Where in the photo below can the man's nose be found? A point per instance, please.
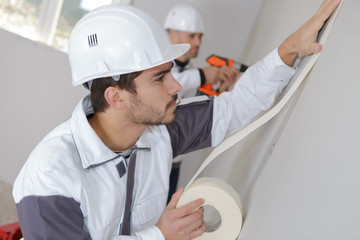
(197, 41)
(173, 86)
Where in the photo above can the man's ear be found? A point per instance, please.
(115, 97)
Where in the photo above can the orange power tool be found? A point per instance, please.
(218, 61)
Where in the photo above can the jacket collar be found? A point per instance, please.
(92, 151)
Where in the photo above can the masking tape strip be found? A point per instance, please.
(218, 193)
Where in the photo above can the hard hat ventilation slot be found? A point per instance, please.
(92, 39)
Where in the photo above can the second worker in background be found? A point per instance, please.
(185, 24)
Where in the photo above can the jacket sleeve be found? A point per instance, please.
(253, 93)
(50, 217)
(46, 216)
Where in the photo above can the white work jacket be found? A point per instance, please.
(73, 186)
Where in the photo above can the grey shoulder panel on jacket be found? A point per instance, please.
(191, 129)
(198, 100)
(51, 217)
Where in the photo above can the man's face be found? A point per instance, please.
(155, 101)
(194, 39)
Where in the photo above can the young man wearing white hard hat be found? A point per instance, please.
(103, 173)
(185, 24)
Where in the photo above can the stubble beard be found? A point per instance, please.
(148, 115)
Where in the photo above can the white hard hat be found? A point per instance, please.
(185, 17)
(118, 39)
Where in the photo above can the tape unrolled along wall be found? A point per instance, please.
(224, 199)
(218, 193)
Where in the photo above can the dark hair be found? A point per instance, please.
(99, 85)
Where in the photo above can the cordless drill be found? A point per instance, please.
(218, 61)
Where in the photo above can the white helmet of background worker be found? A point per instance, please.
(186, 18)
(117, 39)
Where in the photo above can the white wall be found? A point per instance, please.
(277, 20)
(36, 95)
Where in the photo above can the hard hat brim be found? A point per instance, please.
(177, 51)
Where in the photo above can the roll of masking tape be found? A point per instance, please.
(224, 199)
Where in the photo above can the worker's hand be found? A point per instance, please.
(303, 41)
(211, 74)
(227, 77)
(182, 223)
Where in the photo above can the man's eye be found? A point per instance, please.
(160, 78)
